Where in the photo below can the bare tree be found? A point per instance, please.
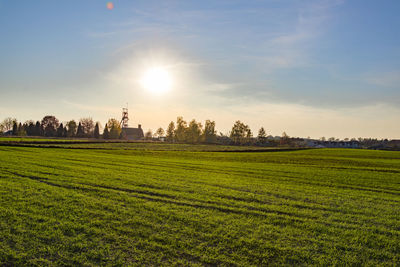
(148, 135)
(88, 126)
(262, 135)
(50, 124)
(285, 139)
(210, 134)
(180, 131)
(160, 132)
(171, 132)
(240, 133)
(72, 127)
(7, 124)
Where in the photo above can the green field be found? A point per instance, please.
(149, 206)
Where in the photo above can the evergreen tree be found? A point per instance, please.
(106, 134)
(15, 128)
(31, 129)
(60, 130)
(20, 130)
(96, 132)
(65, 132)
(38, 129)
(80, 132)
(25, 128)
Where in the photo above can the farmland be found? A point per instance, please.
(152, 204)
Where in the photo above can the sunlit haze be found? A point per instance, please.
(309, 68)
(157, 80)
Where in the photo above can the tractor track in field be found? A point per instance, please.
(218, 206)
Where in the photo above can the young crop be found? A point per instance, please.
(144, 204)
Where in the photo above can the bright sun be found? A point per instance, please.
(157, 80)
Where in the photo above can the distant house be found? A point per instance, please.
(331, 144)
(133, 133)
(339, 144)
(8, 133)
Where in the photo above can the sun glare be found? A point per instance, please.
(156, 80)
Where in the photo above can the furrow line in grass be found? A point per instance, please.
(288, 204)
(193, 200)
(221, 209)
(34, 177)
(201, 167)
(349, 225)
(263, 176)
(150, 196)
(240, 205)
(263, 202)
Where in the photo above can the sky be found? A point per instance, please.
(310, 68)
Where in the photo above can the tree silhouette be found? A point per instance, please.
(240, 133)
(114, 132)
(160, 132)
(50, 124)
(15, 129)
(262, 135)
(148, 135)
(80, 132)
(193, 132)
(114, 128)
(106, 134)
(96, 133)
(31, 129)
(285, 139)
(180, 131)
(60, 130)
(38, 129)
(87, 126)
(72, 127)
(170, 132)
(210, 134)
(20, 130)
(7, 124)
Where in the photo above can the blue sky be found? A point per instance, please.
(310, 68)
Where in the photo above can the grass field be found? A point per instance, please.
(158, 207)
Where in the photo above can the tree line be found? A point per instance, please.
(194, 132)
(50, 126)
(181, 131)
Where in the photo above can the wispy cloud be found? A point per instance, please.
(293, 48)
(386, 79)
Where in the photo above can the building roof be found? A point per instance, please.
(136, 133)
